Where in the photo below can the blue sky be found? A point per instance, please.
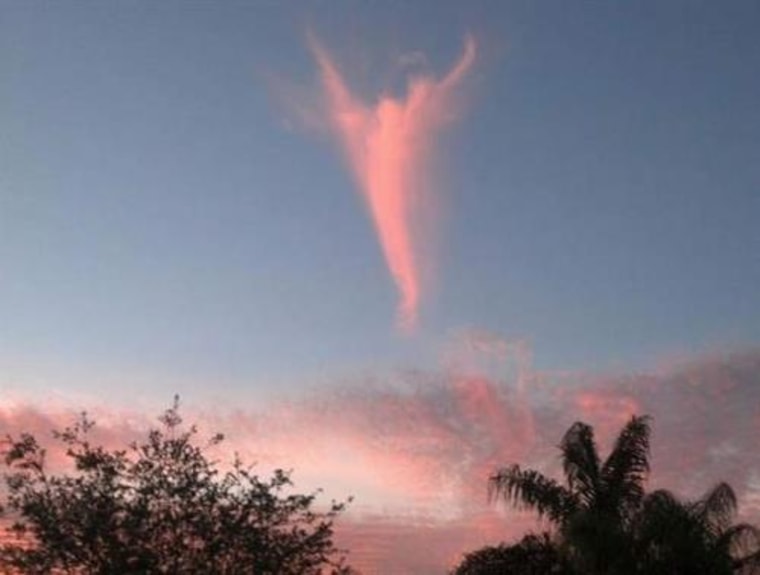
(176, 216)
(164, 216)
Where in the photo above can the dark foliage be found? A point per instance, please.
(595, 507)
(532, 555)
(608, 525)
(159, 506)
(674, 537)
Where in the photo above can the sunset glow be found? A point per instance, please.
(395, 248)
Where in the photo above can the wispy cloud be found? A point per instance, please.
(388, 145)
(416, 452)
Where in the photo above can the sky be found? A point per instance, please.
(422, 237)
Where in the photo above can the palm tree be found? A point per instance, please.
(594, 510)
(676, 537)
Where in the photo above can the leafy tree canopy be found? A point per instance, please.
(158, 506)
(532, 555)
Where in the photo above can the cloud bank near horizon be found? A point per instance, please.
(416, 451)
(388, 145)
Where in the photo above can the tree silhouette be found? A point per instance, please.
(676, 537)
(159, 506)
(595, 508)
(607, 524)
(532, 555)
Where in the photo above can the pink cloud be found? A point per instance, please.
(379, 545)
(388, 145)
(420, 451)
(417, 453)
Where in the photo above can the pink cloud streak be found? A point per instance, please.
(387, 146)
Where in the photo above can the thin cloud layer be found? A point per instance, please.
(416, 452)
(388, 145)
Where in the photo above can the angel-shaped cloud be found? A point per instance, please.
(388, 145)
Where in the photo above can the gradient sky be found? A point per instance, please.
(182, 212)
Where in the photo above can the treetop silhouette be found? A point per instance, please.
(159, 506)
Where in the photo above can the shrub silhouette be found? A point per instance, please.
(532, 555)
(159, 506)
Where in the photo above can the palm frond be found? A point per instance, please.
(661, 514)
(627, 466)
(533, 490)
(580, 461)
(742, 542)
(717, 507)
(660, 502)
(749, 564)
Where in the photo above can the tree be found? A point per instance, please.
(606, 524)
(594, 510)
(160, 506)
(675, 537)
(532, 555)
